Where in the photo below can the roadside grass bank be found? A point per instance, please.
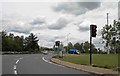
(109, 61)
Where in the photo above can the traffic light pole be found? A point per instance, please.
(92, 34)
(90, 50)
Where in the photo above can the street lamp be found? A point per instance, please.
(67, 41)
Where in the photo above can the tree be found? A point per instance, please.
(70, 46)
(82, 48)
(77, 46)
(31, 43)
(4, 41)
(19, 44)
(106, 35)
(86, 46)
(116, 36)
(111, 36)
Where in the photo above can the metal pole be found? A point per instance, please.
(107, 31)
(67, 41)
(67, 44)
(90, 44)
(107, 18)
(90, 50)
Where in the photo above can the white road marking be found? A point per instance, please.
(45, 60)
(21, 58)
(15, 72)
(64, 66)
(15, 66)
(50, 62)
(17, 61)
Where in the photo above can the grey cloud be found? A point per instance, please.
(56, 26)
(59, 24)
(60, 37)
(52, 38)
(84, 26)
(20, 28)
(19, 31)
(76, 8)
(89, 5)
(48, 38)
(38, 21)
(83, 29)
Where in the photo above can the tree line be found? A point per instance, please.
(83, 47)
(19, 44)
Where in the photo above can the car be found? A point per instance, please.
(73, 51)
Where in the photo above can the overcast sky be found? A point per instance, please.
(52, 21)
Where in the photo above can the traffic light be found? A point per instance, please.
(57, 43)
(93, 30)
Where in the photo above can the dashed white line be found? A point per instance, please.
(15, 66)
(50, 62)
(21, 58)
(17, 61)
(15, 72)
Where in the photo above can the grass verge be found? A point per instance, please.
(98, 60)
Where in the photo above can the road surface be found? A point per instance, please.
(34, 64)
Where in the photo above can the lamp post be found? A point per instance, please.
(67, 41)
(107, 36)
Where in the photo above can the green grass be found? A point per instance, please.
(98, 60)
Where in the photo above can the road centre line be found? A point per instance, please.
(15, 72)
(17, 61)
(21, 58)
(15, 66)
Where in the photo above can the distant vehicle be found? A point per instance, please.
(45, 52)
(73, 51)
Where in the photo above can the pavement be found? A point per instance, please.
(90, 69)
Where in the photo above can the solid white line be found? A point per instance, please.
(64, 66)
(45, 59)
(50, 62)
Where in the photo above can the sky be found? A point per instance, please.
(57, 20)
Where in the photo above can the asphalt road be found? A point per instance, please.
(34, 64)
